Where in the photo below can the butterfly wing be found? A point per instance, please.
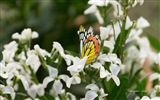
(89, 44)
(82, 37)
(89, 50)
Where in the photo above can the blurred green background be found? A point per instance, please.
(58, 20)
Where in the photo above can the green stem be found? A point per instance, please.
(114, 31)
(33, 75)
(43, 62)
(122, 34)
(104, 85)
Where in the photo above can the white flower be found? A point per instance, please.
(9, 51)
(53, 72)
(93, 9)
(78, 65)
(147, 98)
(53, 76)
(144, 48)
(3, 98)
(114, 30)
(94, 92)
(134, 33)
(57, 87)
(3, 71)
(9, 71)
(157, 59)
(75, 79)
(128, 23)
(33, 61)
(104, 32)
(136, 2)
(109, 58)
(8, 90)
(36, 89)
(96, 65)
(109, 45)
(154, 76)
(114, 71)
(142, 23)
(99, 2)
(40, 51)
(24, 82)
(70, 95)
(110, 31)
(154, 92)
(60, 49)
(25, 35)
(117, 8)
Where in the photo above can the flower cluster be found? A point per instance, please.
(119, 66)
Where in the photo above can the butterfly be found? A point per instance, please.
(89, 44)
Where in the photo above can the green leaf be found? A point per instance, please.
(71, 53)
(49, 97)
(141, 85)
(135, 75)
(46, 96)
(154, 42)
(120, 92)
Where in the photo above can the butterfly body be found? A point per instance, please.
(89, 44)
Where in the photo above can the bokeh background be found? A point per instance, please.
(59, 20)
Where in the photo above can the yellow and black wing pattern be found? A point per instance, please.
(89, 44)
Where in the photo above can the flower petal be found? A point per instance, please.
(96, 65)
(64, 77)
(53, 72)
(92, 87)
(34, 35)
(58, 46)
(40, 90)
(24, 82)
(34, 62)
(103, 72)
(142, 23)
(99, 17)
(128, 23)
(109, 45)
(91, 95)
(114, 69)
(91, 9)
(9, 90)
(46, 81)
(116, 80)
(57, 86)
(103, 33)
(154, 76)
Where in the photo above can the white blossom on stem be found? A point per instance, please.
(26, 34)
(9, 51)
(94, 92)
(33, 61)
(34, 89)
(93, 9)
(60, 49)
(8, 90)
(41, 52)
